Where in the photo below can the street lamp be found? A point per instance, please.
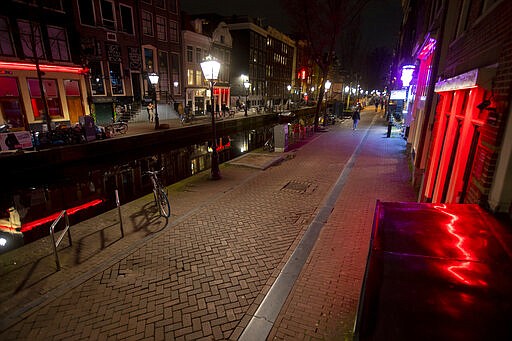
(327, 86)
(153, 79)
(289, 88)
(210, 68)
(247, 85)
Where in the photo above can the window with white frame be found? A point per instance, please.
(190, 54)
(190, 77)
(147, 23)
(199, 55)
(97, 78)
(163, 71)
(31, 41)
(161, 28)
(86, 12)
(173, 6)
(173, 31)
(116, 78)
(175, 71)
(6, 48)
(126, 18)
(199, 77)
(107, 14)
(58, 43)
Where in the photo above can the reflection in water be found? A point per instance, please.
(87, 190)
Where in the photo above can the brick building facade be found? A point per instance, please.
(461, 128)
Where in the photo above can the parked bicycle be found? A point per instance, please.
(116, 128)
(269, 145)
(160, 194)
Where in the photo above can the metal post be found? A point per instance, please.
(157, 120)
(215, 172)
(118, 203)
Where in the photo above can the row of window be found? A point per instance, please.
(32, 41)
(10, 97)
(165, 30)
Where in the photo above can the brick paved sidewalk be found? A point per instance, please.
(323, 302)
(203, 274)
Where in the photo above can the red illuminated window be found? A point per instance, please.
(52, 98)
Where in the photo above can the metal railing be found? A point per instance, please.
(52, 233)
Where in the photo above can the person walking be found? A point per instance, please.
(376, 104)
(356, 116)
(151, 112)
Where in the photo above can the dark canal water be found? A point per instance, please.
(32, 201)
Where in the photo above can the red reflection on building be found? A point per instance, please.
(456, 137)
(461, 271)
(33, 224)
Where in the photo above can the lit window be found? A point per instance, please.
(190, 77)
(199, 77)
(52, 98)
(116, 79)
(97, 82)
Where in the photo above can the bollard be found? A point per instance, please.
(119, 211)
(390, 125)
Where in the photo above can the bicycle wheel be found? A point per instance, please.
(163, 203)
(123, 128)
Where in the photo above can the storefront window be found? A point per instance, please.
(116, 79)
(52, 98)
(10, 104)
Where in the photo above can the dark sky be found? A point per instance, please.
(381, 18)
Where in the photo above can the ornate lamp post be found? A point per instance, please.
(247, 85)
(327, 86)
(210, 68)
(289, 88)
(153, 79)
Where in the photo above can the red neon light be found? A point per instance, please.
(427, 49)
(43, 67)
(33, 224)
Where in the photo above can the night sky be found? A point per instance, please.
(381, 18)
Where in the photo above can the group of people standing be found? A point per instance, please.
(378, 101)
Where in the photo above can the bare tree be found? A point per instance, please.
(31, 41)
(321, 22)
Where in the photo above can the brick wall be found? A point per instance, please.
(488, 41)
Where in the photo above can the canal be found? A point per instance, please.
(83, 179)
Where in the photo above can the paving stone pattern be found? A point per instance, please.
(203, 276)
